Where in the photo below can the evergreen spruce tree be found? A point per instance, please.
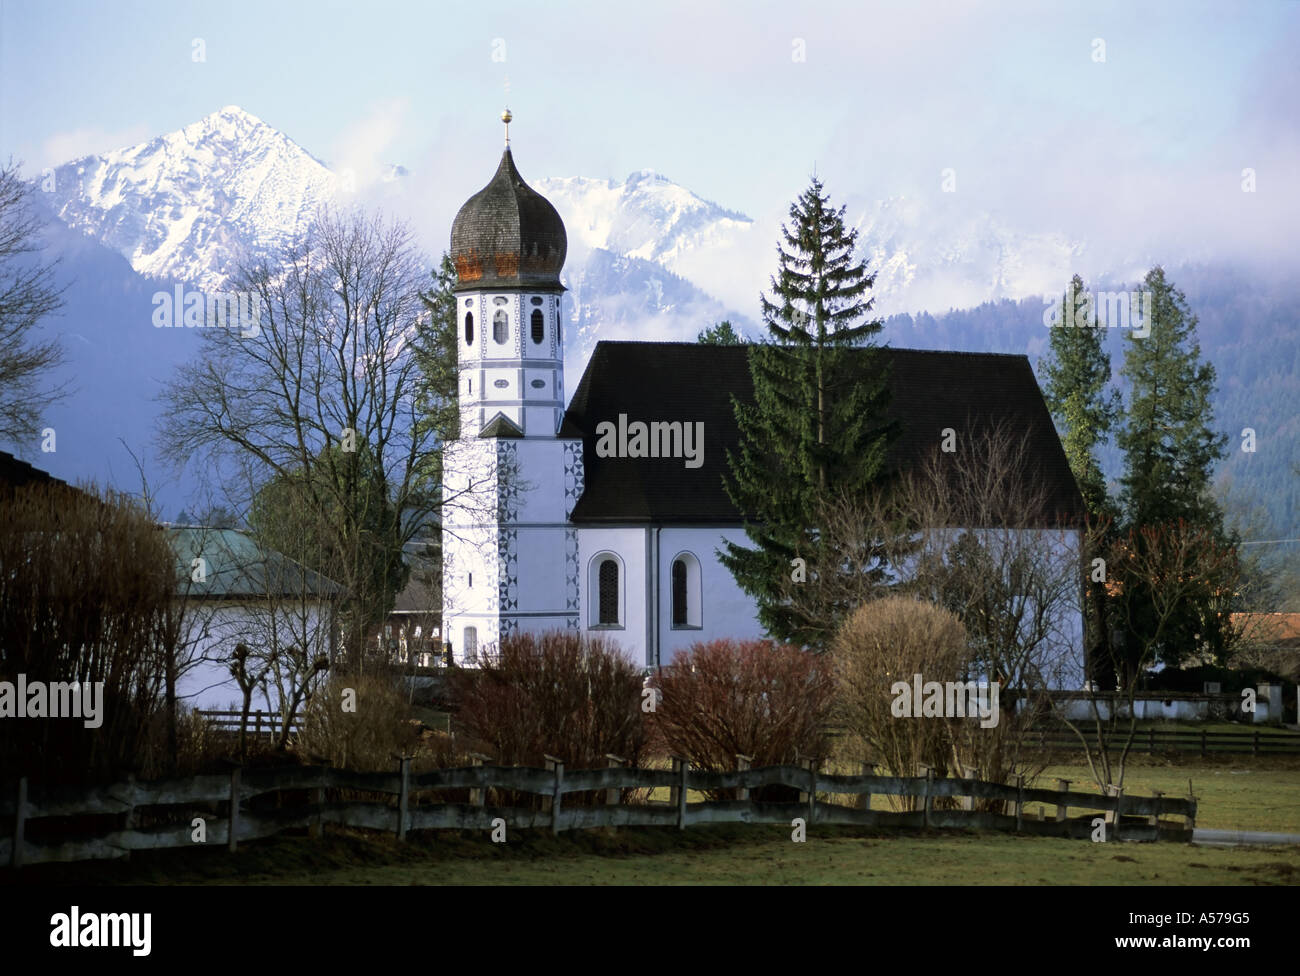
(722, 334)
(1078, 392)
(1170, 450)
(816, 428)
(1085, 407)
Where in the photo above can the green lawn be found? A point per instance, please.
(706, 855)
(1233, 793)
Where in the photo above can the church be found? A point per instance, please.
(606, 516)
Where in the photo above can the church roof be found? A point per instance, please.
(507, 235)
(667, 381)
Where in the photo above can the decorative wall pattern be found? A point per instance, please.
(574, 474)
(572, 580)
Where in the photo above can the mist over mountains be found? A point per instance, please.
(648, 259)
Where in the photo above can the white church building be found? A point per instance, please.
(605, 516)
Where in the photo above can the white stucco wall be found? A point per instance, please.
(214, 628)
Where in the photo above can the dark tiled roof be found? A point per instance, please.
(667, 381)
(501, 426)
(507, 235)
(15, 473)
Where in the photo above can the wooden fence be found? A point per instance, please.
(225, 802)
(1154, 741)
(259, 722)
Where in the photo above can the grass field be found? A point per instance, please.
(706, 855)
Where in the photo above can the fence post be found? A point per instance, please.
(1020, 801)
(1062, 807)
(232, 842)
(864, 798)
(1202, 743)
(1151, 742)
(1154, 819)
(403, 795)
(477, 793)
(1191, 798)
(20, 818)
(682, 770)
(742, 764)
(613, 795)
(929, 800)
(968, 800)
(316, 797)
(548, 802)
(1255, 747)
(558, 805)
(812, 790)
(1114, 815)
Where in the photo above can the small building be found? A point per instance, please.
(236, 592)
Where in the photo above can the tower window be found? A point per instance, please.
(469, 328)
(539, 328)
(608, 592)
(558, 340)
(471, 644)
(500, 327)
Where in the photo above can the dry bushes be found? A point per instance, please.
(558, 693)
(756, 698)
(86, 587)
(365, 739)
(883, 642)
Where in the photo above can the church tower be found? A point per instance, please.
(511, 477)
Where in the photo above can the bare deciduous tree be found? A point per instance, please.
(28, 294)
(325, 394)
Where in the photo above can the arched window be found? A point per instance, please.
(471, 644)
(679, 592)
(608, 592)
(539, 327)
(469, 328)
(684, 580)
(500, 327)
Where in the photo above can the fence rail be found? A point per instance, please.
(225, 803)
(258, 721)
(1154, 741)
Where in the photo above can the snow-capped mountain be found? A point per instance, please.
(187, 205)
(647, 216)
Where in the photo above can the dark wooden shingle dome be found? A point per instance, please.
(507, 235)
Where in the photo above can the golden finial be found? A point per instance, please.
(506, 117)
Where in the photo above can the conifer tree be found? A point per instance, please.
(1085, 406)
(1170, 450)
(1078, 392)
(816, 429)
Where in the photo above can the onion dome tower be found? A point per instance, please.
(508, 246)
(509, 557)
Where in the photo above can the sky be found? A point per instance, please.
(1129, 125)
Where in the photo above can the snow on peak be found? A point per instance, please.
(646, 216)
(190, 204)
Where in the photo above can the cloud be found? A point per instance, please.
(362, 150)
(65, 146)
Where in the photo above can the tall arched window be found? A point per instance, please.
(684, 580)
(471, 644)
(679, 593)
(539, 327)
(469, 328)
(500, 327)
(608, 592)
(558, 340)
